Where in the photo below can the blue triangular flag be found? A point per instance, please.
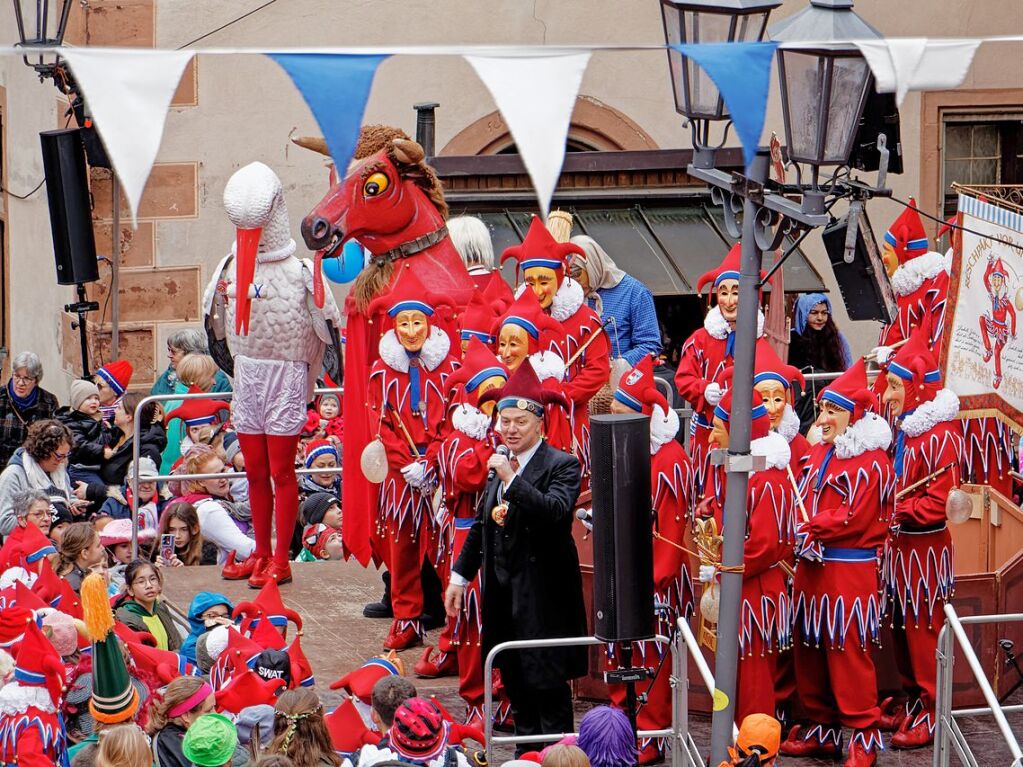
(742, 73)
(335, 86)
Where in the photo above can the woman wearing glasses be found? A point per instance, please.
(22, 402)
(40, 464)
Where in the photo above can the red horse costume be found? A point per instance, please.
(848, 491)
(918, 572)
(407, 399)
(278, 337)
(671, 486)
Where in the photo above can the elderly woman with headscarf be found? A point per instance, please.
(22, 402)
(179, 344)
(816, 346)
(610, 292)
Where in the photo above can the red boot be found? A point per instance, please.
(403, 635)
(863, 748)
(915, 732)
(819, 741)
(442, 664)
(893, 714)
(239, 571)
(272, 571)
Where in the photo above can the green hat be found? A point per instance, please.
(114, 698)
(210, 741)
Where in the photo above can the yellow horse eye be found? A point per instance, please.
(375, 184)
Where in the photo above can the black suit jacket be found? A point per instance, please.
(541, 596)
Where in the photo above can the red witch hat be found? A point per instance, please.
(477, 321)
(301, 668)
(769, 367)
(407, 293)
(729, 269)
(539, 248)
(478, 364)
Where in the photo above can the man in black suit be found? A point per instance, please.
(522, 541)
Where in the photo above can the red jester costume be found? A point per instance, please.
(584, 347)
(407, 400)
(278, 337)
(773, 381)
(482, 312)
(848, 494)
(765, 616)
(671, 485)
(706, 354)
(919, 573)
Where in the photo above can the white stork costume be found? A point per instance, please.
(278, 338)
(918, 572)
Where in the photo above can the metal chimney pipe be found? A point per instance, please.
(426, 126)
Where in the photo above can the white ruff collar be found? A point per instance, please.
(944, 407)
(871, 432)
(718, 327)
(470, 420)
(547, 364)
(16, 698)
(774, 448)
(434, 351)
(663, 428)
(789, 426)
(911, 275)
(566, 301)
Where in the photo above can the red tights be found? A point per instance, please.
(273, 488)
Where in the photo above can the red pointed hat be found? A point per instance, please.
(915, 364)
(38, 664)
(359, 683)
(761, 421)
(117, 375)
(638, 390)
(728, 269)
(497, 291)
(14, 619)
(769, 367)
(267, 636)
(850, 391)
(527, 313)
(348, 732)
(240, 651)
(906, 235)
(165, 665)
(458, 732)
(525, 392)
(407, 293)
(196, 412)
(25, 597)
(478, 364)
(477, 321)
(34, 547)
(268, 604)
(539, 248)
(248, 689)
(70, 602)
(128, 635)
(301, 668)
(47, 585)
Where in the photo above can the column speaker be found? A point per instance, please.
(864, 284)
(623, 559)
(67, 189)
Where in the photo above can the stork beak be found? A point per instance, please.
(247, 244)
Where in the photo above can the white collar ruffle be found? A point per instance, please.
(435, 350)
(789, 426)
(775, 448)
(911, 275)
(547, 364)
(718, 327)
(566, 301)
(663, 428)
(944, 407)
(16, 698)
(470, 420)
(871, 432)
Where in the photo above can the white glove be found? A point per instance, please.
(713, 393)
(882, 354)
(415, 474)
(707, 573)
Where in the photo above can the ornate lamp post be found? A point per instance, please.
(824, 87)
(41, 24)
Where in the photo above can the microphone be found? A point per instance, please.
(584, 515)
(501, 450)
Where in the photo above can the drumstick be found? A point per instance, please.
(923, 481)
(795, 488)
(404, 430)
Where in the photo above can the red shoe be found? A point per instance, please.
(475, 718)
(403, 635)
(239, 571)
(273, 570)
(863, 748)
(915, 732)
(893, 714)
(443, 664)
(818, 741)
(650, 754)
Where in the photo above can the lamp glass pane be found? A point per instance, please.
(703, 27)
(803, 83)
(750, 28)
(673, 36)
(849, 78)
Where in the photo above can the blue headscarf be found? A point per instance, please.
(804, 304)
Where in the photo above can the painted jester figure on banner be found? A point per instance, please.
(919, 573)
(848, 495)
(407, 401)
(998, 323)
(671, 485)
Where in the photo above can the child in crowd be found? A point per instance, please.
(190, 548)
(116, 539)
(112, 381)
(321, 538)
(207, 611)
(91, 433)
(321, 454)
(80, 551)
(140, 607)
(203, 420)
(329, 408)
(61, 520)
(118, 504)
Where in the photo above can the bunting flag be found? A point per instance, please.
(742, 73)
(335, 87)
(128, 96)
(917, 64)
(536, 96)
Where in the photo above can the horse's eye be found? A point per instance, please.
(375, 184)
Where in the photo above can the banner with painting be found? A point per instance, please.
(983, 350)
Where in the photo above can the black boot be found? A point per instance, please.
(381, 609)
(433, 616)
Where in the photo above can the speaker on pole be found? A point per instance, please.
(623, 558)
(864, 284)
(67, 190)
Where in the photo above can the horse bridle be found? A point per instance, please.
(411, 247)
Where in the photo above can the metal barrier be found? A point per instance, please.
(947, 733)
(135, 454)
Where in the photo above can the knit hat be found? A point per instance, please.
(247, 689)
(638, 390)
(761, 421)
(147, 469)
(117, 374)
(525, 392)
(314, 508)
(81, 390)
(849, 391)
(540, 249)
(114, 699)
(906, 235)
(348, 731)
(759, 734)
(408, 293)
(249, 717)
(419, 732)
(268, 604)
(274, 664)
(316, 537)
(38, 664)
(728, 269)
(359, 683)
(318, 447)
(62, 631)
(196, 412)
(210, 741)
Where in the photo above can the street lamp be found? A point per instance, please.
(41, 24)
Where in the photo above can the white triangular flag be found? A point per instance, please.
(128, 93)
(536, 96)
(908, 64)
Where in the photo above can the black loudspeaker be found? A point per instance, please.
(67, 189)
(880, 115)
(864, 284)
(623, 545)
